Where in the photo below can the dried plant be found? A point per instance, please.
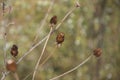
(14, 50)
(11, 65)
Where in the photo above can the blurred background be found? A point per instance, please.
(95, 24)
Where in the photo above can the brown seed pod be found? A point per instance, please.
(53, 20)
(60, 38)
(97, 52)
(14, 50)
(11, 65)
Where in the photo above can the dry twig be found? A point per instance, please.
(36, 67)
(71, 70)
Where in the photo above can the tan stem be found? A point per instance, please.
(48, 57)
(36, 67)
(71, 70)
(43, 21)
(16, 76)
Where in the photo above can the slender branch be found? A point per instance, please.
(27, 76)
(16, 76)
(48, 57)
(41, 63)
(43, 21)
(5, 25)
(69, 12)
(36, 67)
(31, 49)
(4, 74)
(5, 41)
(3, 77)
(71, 70)
(5, 36)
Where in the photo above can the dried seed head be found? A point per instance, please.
(14, 50)
(97, 52)
(11, 65)
(60, 38)
(53, 20)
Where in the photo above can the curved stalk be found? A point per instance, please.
(36, 67)
(71, 70)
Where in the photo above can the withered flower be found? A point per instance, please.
(97, 52)
(53, 20)
(14, 50)
(11, 65)
(60, 38)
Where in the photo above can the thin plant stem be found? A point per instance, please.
(27, 76)
(36, 67)
(41, 63)
(71, 70)
(48, 57)
(68, 13)
(5, 36)
(4, 74)
(3, 77)
(5, 41)
(16, 76)
(43, 21)
(31, 49)
(5, 57)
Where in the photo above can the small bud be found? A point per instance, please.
(97, 52)
(14, 50)
(53, 20)
(11, 65)
(60, 38)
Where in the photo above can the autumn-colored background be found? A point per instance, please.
(95, 24)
